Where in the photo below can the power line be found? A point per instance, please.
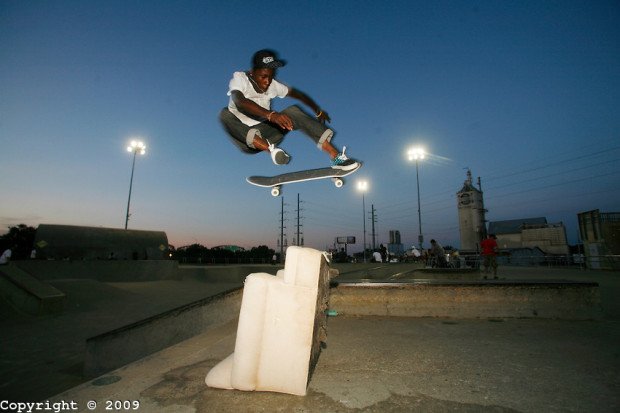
(442, 198)
(548, 165)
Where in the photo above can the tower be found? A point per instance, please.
(394, 237)
(395, 246)
(471, 215)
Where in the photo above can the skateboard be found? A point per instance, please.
(276, 182)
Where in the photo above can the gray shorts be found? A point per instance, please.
(490, 261)
(243, 135)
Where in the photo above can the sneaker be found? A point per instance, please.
(278, 156)
(343, 162)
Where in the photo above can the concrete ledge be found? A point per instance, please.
(225, 273)
(124, 345)
(449, 273)
(28, 294)
(470, 299)
(107, 271)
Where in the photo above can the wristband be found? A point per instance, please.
(318, 115)
(269, 116)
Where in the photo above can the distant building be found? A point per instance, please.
(232, 248)
(531, 233)
(68, 242)
(394, 237)
(471, 215)
(600, 234)
(550, 238)
(395, 246)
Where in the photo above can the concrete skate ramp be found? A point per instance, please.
(26, 293)
(116, 348)
(572, 300)
(107, 271)
(90, 295)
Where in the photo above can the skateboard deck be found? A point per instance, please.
(276, 182)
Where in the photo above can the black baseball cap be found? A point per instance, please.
(266, 59)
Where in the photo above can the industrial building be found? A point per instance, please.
(600, 234)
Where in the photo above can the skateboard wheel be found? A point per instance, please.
(275, 191)
(338, 182)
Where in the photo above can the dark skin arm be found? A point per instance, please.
(307, 100)
(252, 109)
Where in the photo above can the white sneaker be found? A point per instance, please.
(343, 162)
(278, 156)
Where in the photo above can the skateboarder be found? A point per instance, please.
(255, 128)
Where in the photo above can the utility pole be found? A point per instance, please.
(299, 233)
(374, 219)
(484, 211)
(282, 231)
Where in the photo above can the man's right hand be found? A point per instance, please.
(282, 120)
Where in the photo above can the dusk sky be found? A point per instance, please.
(526, 94)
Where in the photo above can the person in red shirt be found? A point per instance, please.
(489, 251)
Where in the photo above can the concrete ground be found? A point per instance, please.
(42, 356)
(371, 364)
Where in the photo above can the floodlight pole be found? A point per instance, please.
(135, 147)
(133, 165)
(417, 175)
(417, 154)
(364, 219)
(362, 186)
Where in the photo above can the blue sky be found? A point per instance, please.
(524, 93)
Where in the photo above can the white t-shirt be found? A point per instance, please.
(241, 83)
(6, 255)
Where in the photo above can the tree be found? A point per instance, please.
(20, 239)
(262, 251)
(202, 254)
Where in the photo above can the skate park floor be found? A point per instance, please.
(370, 364)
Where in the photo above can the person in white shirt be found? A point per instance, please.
(255, 128)
(6, 256)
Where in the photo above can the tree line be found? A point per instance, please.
(20, 239)
(197, 253)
